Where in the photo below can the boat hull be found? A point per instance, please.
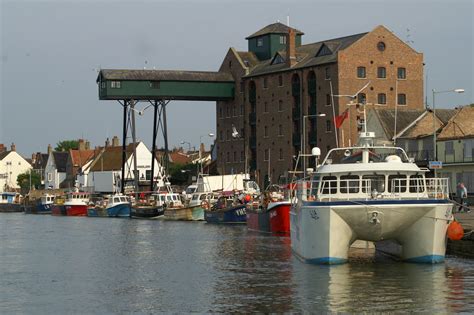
(179, 214)
(118, 211)
(76, 210)
(58, 210)
(146, 212)
(231, 215)
(274, 219)
(322, 232)
(10, 207)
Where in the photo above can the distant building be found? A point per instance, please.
(456, 149)
(55, 170)
(280, 82)
(11, 165)
(104, 172)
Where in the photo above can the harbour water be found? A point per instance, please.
(98, 265)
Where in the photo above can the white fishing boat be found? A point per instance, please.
(370, 193)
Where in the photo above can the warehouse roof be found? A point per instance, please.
(164, 75)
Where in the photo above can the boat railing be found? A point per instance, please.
(437, 188)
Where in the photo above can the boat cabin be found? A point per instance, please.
(363, 173)
(47, 199)
(10, 197)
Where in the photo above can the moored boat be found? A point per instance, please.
(370, 193)
(114, 206)
(10, 202)
(58, 208)
(45, 204)
(76, 204)
(271, 214)
(146, 207)
(229, 209)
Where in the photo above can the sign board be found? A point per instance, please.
(435, 165)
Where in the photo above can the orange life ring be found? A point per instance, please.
(205, 204)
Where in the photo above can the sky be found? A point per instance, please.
(51, 52)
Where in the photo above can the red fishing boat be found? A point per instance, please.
(271, 214)
(76, 204)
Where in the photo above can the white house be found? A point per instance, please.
(11, 165)
(105, 171)
(55, 170)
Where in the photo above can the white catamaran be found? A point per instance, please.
(371, 193)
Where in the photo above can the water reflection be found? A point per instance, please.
(69, 265)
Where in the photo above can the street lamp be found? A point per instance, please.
(304, 138)
(435, 156)
(210, 135)
(189, 145)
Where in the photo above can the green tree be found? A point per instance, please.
(23, 180)
(181, 174)
(65, 145)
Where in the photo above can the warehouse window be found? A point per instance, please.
(381, 72)
(280, 80)
(115, 84)
(361, 72)
(402, 99)
(402, 73)
(382, 98)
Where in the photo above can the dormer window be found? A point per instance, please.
(277, 59)
(259, 42)
(324, 51)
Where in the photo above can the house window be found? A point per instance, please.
(328, 126)
(327, 75)
(281, 155)
(265, 107)
(155, 84)
(381, 72)
(265, 83)
(115, 84)
(361, 98)
(402, 99)
(235, 156)
(402, 73)
(280, 105)
(148, 174)
(328, 100)
(265, 132)
(280, 80)
(382, 98)
(259, 42)
(280, 130)
(282, 39)
(361, 72)
(266, 155)
(449, 147)
(50, 177)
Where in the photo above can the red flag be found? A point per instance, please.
(340, 119)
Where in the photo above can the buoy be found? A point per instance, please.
(247, 198)
(455, 231)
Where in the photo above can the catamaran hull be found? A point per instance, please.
(322, 232)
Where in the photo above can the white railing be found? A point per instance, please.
(437, 188)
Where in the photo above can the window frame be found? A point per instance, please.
(379, 99)
(381, 72)
(404, 71)
(404, 99)
(359, 74)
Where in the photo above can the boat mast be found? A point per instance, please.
(134, 140)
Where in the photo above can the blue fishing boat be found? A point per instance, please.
(10, 202)
(45, 204)
(115, 206)
(228, 209)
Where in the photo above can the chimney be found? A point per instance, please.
(2, 147)
(115, 141)
(50, 149)
(33, 158)
(13, 147)
(202, 148)
(88, 145)
(82, 145)
(107, 143)
(291, 48)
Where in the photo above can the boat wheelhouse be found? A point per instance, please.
(370, 193)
